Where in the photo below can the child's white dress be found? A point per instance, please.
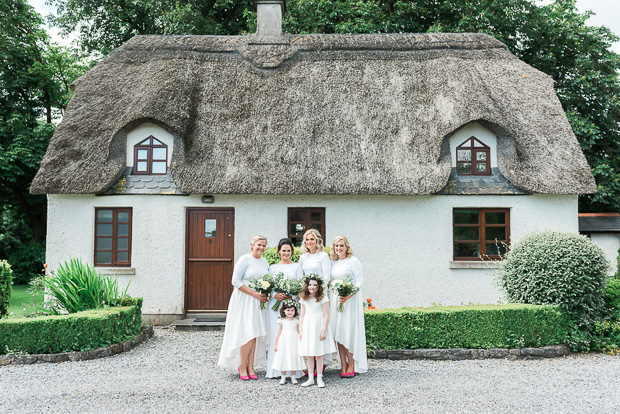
(311, 344)
(287, 358)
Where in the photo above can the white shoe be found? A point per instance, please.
(294, 380)
(283, 380)
(319, 381)
(308, 383)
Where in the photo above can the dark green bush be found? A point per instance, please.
(6, 286)
(27, 262)
(611, 294)
(74, 332)
(553, 268)
(480, 326)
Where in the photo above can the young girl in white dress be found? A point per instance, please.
(287, 357)
(315, 337)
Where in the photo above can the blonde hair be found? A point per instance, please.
(332, 253)
(256, 238)
(319, 241)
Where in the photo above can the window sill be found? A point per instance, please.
(475, 264)
(117, 271)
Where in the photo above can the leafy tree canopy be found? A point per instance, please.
(553, 38)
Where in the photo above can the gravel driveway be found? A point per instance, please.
(175, 372)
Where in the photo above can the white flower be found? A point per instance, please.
(265, 284)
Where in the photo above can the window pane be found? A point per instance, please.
(104, 243)
(159, 153)
(146, 141)
(316, 227)
(123, 229)
(122, 243)
(495, 249)
(210, 227)
(495, 233)
(481, 167)
(466, 217)
(142, 154)
(466, 233)
(463, 155)
(297, 241)
(158, 168)
(141, 166)
(103, 258)
(316, 216)
(104, 215)
(463, 168)
(298, 229)
(123, 216)
(157, 142)
(467, 250)
(495, 218)
(122, 256)
(481, 156)
(104, 229)
(296, 214)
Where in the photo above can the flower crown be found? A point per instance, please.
(314, 276)
(291, 302)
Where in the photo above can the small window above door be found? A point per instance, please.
(473, 157)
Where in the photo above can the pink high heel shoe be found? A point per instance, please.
(242, 377)
(253, 376)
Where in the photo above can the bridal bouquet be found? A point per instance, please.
(343, 288)
(262, 285)
(286, 286)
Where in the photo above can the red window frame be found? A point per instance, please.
(152, 144)
(482, 227)
(303, 216)
(474, 151)
(101, 237)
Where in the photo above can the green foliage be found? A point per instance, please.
(611, 295)
(272, 256)
(487, 326)
(6, 284)
(74, 332)
(24, 302)
(27, 261)
(77, 287)
(617, 275)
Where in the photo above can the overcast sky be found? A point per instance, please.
(607, 13)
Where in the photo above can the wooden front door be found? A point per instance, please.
(209, 259)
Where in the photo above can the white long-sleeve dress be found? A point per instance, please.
(318, 263)
(291, 271)
(348, 326)
(245, 320)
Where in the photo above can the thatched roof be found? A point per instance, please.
(314, 114)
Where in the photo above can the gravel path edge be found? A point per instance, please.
(459, 354)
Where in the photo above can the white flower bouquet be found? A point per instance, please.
(262, 285)
(343, 288)
(286, 286)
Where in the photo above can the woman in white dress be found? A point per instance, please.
(348, 326)
(314, 259)
(291, 270)
(245, 334)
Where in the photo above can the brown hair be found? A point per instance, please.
(286, 306)
(305, 293)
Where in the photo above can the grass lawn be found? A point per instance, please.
(22, 302)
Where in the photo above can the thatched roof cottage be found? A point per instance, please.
(429, 151)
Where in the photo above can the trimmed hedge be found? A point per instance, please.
(478, 326)
(6, 286)
(80, 331)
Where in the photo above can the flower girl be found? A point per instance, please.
(315, 336)
(287, 357)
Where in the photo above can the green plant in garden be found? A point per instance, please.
(611, 295)
(565, 269)
(6, 284)
(272, 256)
(76, 287)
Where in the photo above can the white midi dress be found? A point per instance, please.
(245, 320)
(291, 271)
(287, 358)
(311, 344)
(316, 263)
(348, 326)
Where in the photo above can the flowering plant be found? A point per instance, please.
(368, 304)
(291, 302)
(343, 288)
(286, 286)
(262, 285)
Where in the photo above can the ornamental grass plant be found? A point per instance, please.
(6, 284)
(76, 287)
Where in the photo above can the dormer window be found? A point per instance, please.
(150, 157)
(473, 158)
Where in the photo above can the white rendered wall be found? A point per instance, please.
(142, 132)
(609, 242)
(404, 243)
(478, 131)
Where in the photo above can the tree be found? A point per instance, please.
(553, 38)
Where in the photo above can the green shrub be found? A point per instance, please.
(480, 326)
(272, 256)
(74, 332)
(617, 276)
(611, 294)
(77, 287)
(6, 285)
(553, 268)
(27, 262)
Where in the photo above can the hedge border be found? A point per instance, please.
(146, 332)
(461, 354)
